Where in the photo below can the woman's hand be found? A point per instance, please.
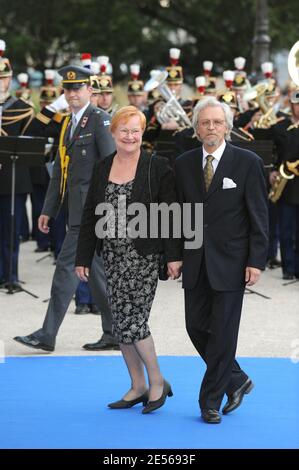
(174, 269)
(82, 273)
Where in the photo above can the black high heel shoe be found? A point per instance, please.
(154, 405)
(129, 403)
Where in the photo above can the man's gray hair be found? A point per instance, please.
(212, 101)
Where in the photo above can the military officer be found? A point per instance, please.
(16, 116)
(85, 137)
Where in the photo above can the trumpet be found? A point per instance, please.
(170, 109)
(287, 171)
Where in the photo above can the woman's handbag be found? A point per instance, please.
(163, 276)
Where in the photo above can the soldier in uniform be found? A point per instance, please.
(84, 139)
(286, 138)
(105, 87)
(47, 123)
(165, 137)
(135, 92)
(16, 116)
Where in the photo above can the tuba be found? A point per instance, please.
(257, 94)
(169, 109)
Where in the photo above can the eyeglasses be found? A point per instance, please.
(127, 132)
(208, 123)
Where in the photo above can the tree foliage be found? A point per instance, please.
(49, 33)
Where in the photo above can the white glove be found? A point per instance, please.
(58, 105)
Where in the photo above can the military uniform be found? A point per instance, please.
(16, 116)
(46, 123)
(91, 141)
(286, 137)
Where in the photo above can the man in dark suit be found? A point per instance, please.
(84, 139)
(229, 182)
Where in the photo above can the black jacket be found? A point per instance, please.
(235, 220)
(162, 186)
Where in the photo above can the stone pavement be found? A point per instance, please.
(269, 327)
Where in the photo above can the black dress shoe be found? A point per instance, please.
(101, 345)
(32, 342)
(82, 309)
(287, 276)
(235, 399)
(93, 308)
(120, 404)
(211, 416)
(273, 263)
(15, 287)
(154, 405)
(41, 250)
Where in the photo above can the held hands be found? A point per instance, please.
(252, 275)
(174, 269)
(82, 273)
(43, 222)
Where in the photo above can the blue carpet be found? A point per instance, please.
(60, 402)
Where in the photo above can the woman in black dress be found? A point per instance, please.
(131, 264)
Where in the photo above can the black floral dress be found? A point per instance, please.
(131, 278)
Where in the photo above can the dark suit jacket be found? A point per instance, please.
(92, 141)
(235, 221)
(163, 190)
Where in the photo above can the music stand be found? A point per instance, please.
(28, 151)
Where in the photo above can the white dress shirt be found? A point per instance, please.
(76, 117)
(217, 155)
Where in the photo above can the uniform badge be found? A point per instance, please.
(84, 121)
(71, 75)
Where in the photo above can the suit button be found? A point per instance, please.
(205, 226)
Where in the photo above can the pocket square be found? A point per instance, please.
(228, 184)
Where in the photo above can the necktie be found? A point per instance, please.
(208, 171)
(74, 125)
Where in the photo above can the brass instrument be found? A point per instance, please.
(169, 109)
(287, 171)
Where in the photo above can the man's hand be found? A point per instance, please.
(171, 125)
(82, 273)
(273, 176)
(43, 222)
(174, 269)
(252, 275)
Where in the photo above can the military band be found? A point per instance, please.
(258, 115)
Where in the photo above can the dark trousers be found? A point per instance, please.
(212, 322)
(64, 285)
(38, 198)
(83, 294)
(273, 230)
(5, 225)
(289, 237)
(58, 231)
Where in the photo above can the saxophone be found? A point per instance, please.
(287, 171)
